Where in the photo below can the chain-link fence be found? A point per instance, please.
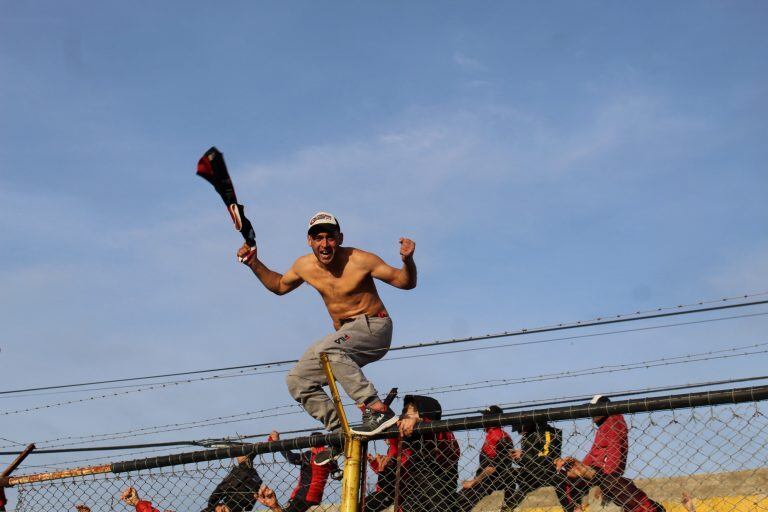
(700, 451)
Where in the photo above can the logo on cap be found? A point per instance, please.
(323, 218)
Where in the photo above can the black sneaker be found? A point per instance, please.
(375, 422)
(331, 453)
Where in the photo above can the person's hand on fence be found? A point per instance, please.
(379, 462)
(406, 425)
(687, 502)
(266, 497)
(516, 454)
(468, 484)
(130, 496)
(82, 508)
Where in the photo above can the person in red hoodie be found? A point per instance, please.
(312, 477)
(611, 445)
(429, 461)
(493, 472)
(385, 467)
(607, 460)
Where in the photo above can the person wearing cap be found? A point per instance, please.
(607, 461)
(344, 277)
(495, 472)
(611, 445)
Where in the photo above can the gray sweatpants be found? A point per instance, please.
(357, 343)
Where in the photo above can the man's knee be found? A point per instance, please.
(296, 386)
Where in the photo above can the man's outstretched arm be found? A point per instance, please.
(405, 277)
(277, 283)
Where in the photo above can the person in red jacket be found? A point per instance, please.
(611, 445)
(3, 501)
(312, 476)
(493, 472)
(385, 467)
(606, 463)
(429, 461)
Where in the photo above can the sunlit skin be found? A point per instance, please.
(266, 497)
(130, 496)
(575, 469)
(342, 275)
(408, 420)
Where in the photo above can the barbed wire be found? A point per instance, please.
(658, 312)
(55, 465)
(145, 387)
(685, 359)
(219, 420)
(448, 413)
(578, 336)
(259, 371)
(468, 386)
(461, 411)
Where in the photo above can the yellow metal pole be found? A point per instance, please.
(350, 485)
(353, 448)
(335, 393)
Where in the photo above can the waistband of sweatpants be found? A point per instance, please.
(380, 314)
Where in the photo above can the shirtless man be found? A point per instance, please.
(344, 278)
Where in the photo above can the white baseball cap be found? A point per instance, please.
(323, 219)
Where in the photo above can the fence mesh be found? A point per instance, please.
(706, 458)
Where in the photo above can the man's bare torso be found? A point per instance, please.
(347, 288)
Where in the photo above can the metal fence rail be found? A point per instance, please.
(711, 447)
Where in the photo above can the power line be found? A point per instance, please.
(684, 359)
(463, 411)
(660, 312)
(148, 387)
(244, 373)
(575, 337)
(171, 427)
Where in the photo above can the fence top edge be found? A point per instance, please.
(630, 406)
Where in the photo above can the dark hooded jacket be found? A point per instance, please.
(237, 489)
(430, 464)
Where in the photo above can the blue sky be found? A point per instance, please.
(553, 161)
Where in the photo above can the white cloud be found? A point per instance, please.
(424, 149)
(468, 63)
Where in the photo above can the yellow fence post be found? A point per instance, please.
(353, 448)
